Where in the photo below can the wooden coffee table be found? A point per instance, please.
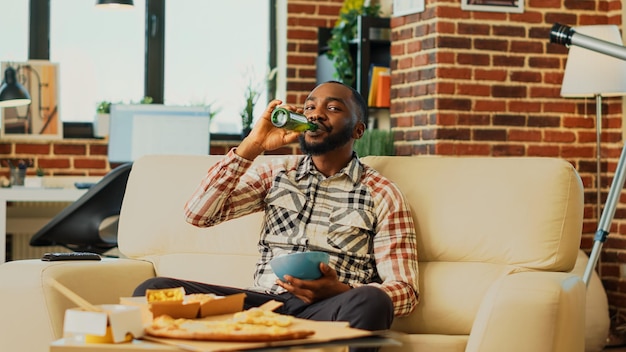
(136, 345)
(140, 345)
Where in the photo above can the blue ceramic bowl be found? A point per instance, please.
(301, 265)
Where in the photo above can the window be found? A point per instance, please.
(100, 54)
(208, 53)
(212, 49)
(14, 31)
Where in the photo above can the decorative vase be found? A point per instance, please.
(101, 128)
(17, 176)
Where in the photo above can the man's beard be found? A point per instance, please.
(330, 143)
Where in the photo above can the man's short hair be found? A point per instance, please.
(362, 114)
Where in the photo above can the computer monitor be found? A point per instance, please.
(142, 129)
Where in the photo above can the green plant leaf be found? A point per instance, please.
(375, 142)
(339, 43)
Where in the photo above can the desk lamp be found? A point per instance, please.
(591, 74)
(12, 93)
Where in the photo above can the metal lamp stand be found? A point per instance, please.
(607, 215)
(598, 154)
(565, 35)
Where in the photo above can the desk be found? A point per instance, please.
(23, 194)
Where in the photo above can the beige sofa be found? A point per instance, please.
(498, 239)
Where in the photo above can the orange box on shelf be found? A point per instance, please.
(383, 96)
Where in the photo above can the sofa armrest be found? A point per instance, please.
(531, 311)
(37, 310)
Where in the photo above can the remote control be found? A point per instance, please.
(51, 257)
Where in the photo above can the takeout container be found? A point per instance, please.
(188, 310)
(114, 324)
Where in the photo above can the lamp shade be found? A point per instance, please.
(12, 93)
(589, 73)
(114, 3)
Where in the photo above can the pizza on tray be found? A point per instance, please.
(252, 325)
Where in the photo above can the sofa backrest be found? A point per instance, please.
(152, 226)
(519, 211)
(477, 219)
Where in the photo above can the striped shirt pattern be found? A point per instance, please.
(357, 216)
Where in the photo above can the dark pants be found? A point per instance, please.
(366, 307)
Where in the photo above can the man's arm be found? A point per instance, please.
(221, 196)
(225, 192)
(395, 250)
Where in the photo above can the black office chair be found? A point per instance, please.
(90, 223)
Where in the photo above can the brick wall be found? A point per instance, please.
(68, 157)
(463, 83)
(80, 157)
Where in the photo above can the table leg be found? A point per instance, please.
(3, 230)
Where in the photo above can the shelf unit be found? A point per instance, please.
(370, 47)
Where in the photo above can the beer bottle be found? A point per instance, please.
(290, 120)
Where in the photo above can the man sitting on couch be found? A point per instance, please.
(325, 200)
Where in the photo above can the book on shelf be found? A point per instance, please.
(374, 87)
(383, 98)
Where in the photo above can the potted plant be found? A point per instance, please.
(101, 127)
(103, 111)
(247, 113)
(343, 34)
(375, 142)
(252, 92)
(37, 181)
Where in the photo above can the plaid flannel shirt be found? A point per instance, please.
(359, 217)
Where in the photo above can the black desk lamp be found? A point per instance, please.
(12, 93)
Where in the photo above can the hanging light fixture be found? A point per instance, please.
(115, 3)
(12, 93)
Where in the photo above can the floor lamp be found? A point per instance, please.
(589, 74)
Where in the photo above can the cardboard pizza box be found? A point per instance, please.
(328, 334)
(189, 310)
(114, 324)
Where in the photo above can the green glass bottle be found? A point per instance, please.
(290, 120)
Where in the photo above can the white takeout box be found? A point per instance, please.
(119, 319)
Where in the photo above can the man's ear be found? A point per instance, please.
(358, 131)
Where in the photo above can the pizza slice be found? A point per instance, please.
(253, 325)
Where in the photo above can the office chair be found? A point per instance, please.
(90, 223)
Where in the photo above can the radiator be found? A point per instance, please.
(18, 248)
(24, 219)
